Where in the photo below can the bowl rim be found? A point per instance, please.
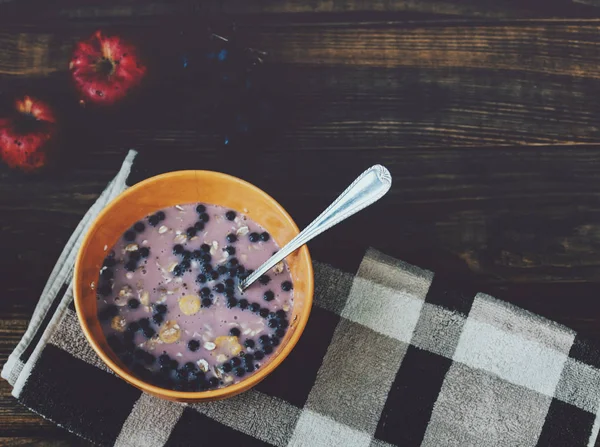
(221, 393)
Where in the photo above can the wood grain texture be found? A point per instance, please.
(281, 10)
(487, 122)
(397, 86)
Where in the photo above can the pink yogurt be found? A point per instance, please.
(210, 334)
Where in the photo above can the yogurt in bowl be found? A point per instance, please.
(156, 292)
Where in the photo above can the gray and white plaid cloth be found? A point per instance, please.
(390, 356)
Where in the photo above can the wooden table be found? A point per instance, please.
(486, 115)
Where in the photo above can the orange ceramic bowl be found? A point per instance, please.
(168, 190)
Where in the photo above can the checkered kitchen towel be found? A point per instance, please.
(389, 356)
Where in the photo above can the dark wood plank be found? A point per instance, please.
(448, 85)
(277, 10)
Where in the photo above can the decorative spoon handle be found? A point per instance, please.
(367, 189)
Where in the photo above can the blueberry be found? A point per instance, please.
(186, 254)
(264, 279)
(231, 238)
(144, 252)
(185, 264)
(174, 364)
(128, 338)
(204, 217)
(206, 302)
(283, 323)
(107, 274)
(149, 359)
(230, 215)
(193, 345)
(181, 374)
(233, 272)
(259, 355)
(139, 227)
(111, 310)
(129, 235)
(240, 372)
(189, 366)
(229, 282)
(232, 302)
(135, 256)
(115, 343)
(149, 332)
(133, 303)
(264, 312)
(158, 318)
(254, 307)
(268, 349)
(280, 313)
(269, 295)
(243, 276)
(235, 361)
(134, 326)
(254, 237)
(195, 374)
(264, 236)
(109, 262)
(130, 266)
(178, 249)
(272, 323)
(213, 382)
(144, 323)
(230, 250)
(164, 360)
(161, 215)
(229, 292)
(248, 358)
(249, 343)
(179, 270)
(280, 332)
(191, 232)
(219, 288)
(201, 278)
(240, 270)
(235, 332)
(221, 269)
(206, 257)
(206, 268)
(286, 286)
(249, 367)
(275, 341)
(243, 303)
(205, 248)
(226, 367)
(200, 209)
(153, 220)
(105, 289)
(199, 226)
(264, 340)
(233, 262)
(214, 275)
(204, 291)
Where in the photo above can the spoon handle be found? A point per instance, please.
(368, 188)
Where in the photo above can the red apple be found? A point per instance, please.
(28, 134)
(105, 69)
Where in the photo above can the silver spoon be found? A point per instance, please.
(367, 189)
